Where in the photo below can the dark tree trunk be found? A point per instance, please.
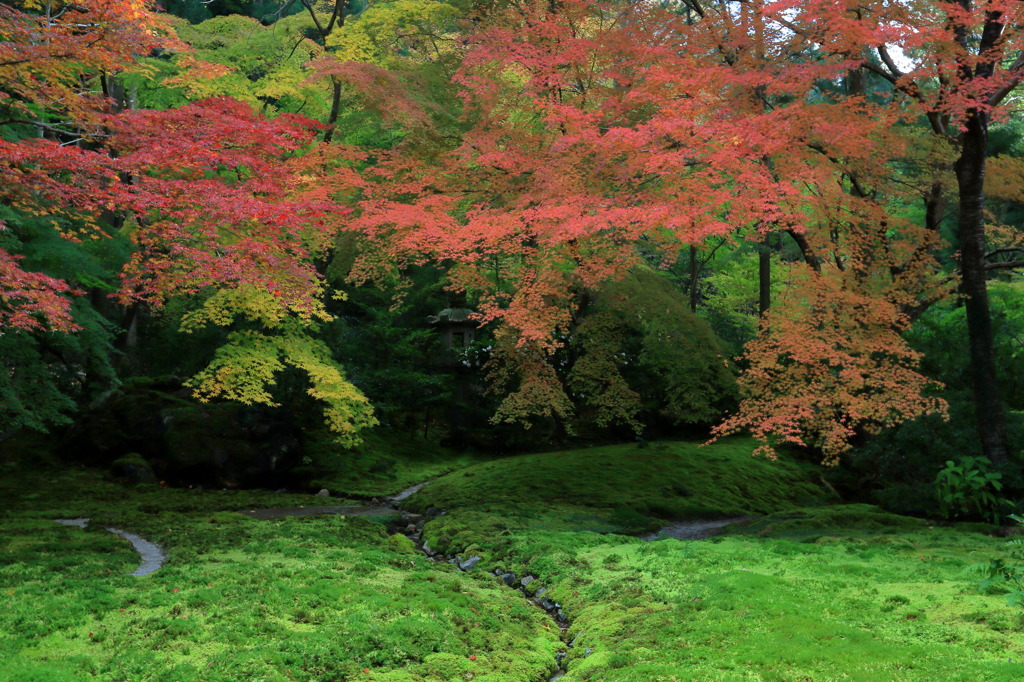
(970, 176)
(764, 279)
(694, 272)
(332, 119)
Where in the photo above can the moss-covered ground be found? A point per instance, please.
(385, 462)
(626, 487)
(305, 598)
(822, 592)
(811, 590)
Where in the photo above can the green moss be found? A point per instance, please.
(313, 598)
(386, 462)
(403, 544)
(845, 520)
(627, 483)
(821, 593)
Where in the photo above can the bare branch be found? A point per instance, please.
(1006, 265)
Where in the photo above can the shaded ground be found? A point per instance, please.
(343, 510)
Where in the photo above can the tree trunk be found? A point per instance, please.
(332, 119)
(764, 279)
(694, 272)
(970, 176)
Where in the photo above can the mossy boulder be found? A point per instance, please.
(133, 468)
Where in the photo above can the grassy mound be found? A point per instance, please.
(624, 483)
(386, 462)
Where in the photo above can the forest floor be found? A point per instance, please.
(806, 590)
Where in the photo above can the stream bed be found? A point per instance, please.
(151, 556)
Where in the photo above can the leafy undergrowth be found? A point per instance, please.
(628, 487)
(310, 598)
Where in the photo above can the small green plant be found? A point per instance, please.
(970, 488)
(1006, 572)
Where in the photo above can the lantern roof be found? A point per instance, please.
(453, 315)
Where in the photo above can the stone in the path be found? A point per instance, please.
(324, 492)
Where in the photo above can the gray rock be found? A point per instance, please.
(324, 492)
(470, 563)
(540, 592)
(427, 549)
(527, 579)
(432, 511)
(587, 652)
(508, 578)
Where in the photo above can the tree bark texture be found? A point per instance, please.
(970, 176)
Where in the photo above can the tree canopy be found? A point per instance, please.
(727, 214)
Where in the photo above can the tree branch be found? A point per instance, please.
(1017, 69)
(1005, 265)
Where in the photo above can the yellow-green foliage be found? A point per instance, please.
(244, 368)
(387, 30)
(264, 65)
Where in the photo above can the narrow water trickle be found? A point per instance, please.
(696, 529)
(538, 598)
(152, 557)
(413, 529)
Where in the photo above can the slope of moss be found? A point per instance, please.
(663, 480)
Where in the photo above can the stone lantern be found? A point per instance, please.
(457, 329)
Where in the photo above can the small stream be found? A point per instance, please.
(150, 554)
(696, 529)
(413, 529)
